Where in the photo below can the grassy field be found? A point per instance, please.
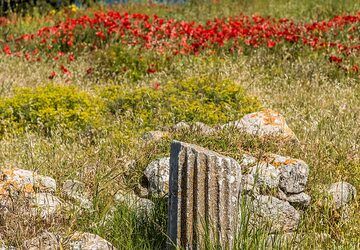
(114, 107)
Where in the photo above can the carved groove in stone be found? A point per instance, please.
(204, 190)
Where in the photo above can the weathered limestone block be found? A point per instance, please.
(264, 124)
(266, 175)
(300, 201)
(88, 241)
(157, 174)
(155, 135)
(141, 205)
(204, 190)
(248, 184)
(14, 181)
(181, 126)
(75, 190)
(293, 173)
(341, 193)
(44, 204)
(202, 128)
(44, 241)
(275, 215)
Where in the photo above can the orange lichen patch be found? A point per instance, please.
(290, 161)
(28, 188)
(272, 118)
(15, 180)
(3, 190)
(278, 161)
(8, 173)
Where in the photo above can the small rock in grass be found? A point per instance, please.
(248, 161)
(266, 175)
(44, 241)
(273, 214)
(157, 174)
(266, 123)
(293, 173)
(180, 126)
(88, 241)
(14, 181)
(248, 184)
(202, 128)
(141, 191)
(341, 193)
(301, 200)
(76, 190)
(141, 205)
(44, 204)
(155, 135)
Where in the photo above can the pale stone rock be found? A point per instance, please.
(180, 126)
(301, 200)
(44, 204)
(45, 241)
(75, 190)
(204, 188)
(155, 135)
(141, 205)
(88, 241)
(157, 174)
(273, 214)
(248, 184)
(142, 191)
(341, 193)
(267, 123)
(14, 181)
(266, 175)
(248, 161)
(202, 128)
(293, 173)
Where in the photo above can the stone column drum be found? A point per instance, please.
(204, 191)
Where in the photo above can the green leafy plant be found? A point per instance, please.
(49, 107)
(196, 99)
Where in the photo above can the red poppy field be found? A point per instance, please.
(93, 95)
(337, 39)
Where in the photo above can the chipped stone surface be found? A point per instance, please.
(75, 190)
(88, 241)
(293, 173)
(248, 161)
(301, 200)
(266, 175)
(157, 174)
(142, 205)
(14, 181)
(264, 123)
(248, 184)
(155, 135)
(44, 241)
(202, 128)
(44, 204)
(181, 126)
(274, 213)
(341, 193)
(204, 185)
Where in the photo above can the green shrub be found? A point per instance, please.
(46, 108)
(132, 62)
(191, 100)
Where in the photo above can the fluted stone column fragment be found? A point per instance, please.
(203, 196)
